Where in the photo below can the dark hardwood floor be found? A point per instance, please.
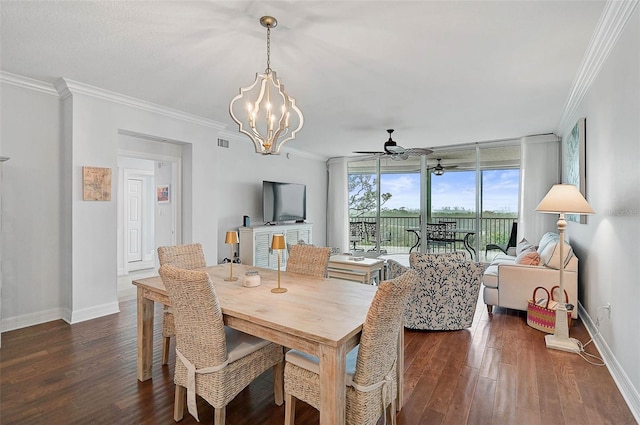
(497, 372)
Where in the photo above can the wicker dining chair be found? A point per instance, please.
(213, 361)
(190, 257)
(309, 260)
(371, 374)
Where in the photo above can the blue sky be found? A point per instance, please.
(454, 189)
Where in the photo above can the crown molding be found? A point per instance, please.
(27, 83)
(66, 88)
(614, 17)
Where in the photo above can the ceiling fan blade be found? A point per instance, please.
(444, 167)
(369, 152)
(419, 151)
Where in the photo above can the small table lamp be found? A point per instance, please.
(231, 239)
(278, 244)
(562, 199)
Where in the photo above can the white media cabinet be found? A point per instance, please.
(255, 243)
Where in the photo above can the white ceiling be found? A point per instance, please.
(439, 72)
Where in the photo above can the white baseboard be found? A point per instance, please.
(629, 393)
(94, 312)
(25, 320)
(60, 313)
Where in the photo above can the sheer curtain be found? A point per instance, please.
(337, 205)
(539, 170)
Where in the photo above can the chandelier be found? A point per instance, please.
(264, 111)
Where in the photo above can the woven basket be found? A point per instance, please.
(541, 312)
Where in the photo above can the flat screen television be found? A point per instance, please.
(283, 202)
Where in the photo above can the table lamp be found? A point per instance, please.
(231, 239)
(562, 199)
(278, 243)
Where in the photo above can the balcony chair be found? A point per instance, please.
(309, 260)
(213, 361)
(505, 248)
(190, 257)
(370, 229)
(356, 233)
(436, 235)
(371, 374)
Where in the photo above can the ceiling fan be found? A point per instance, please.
(395, 151)
(438, 169)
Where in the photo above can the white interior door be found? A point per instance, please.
(134, 220)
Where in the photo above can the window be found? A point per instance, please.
(478, 190)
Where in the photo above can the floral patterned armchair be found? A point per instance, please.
(446, 293)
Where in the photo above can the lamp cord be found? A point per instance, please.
(582, 353)
(585, 356)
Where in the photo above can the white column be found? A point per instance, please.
(337, 205)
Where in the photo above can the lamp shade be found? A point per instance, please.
(278, 242)
(232, 237)
(564, 198)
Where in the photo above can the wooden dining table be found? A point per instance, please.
(319, 316)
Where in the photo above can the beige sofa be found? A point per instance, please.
(509, 283)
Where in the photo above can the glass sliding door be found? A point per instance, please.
(500, 167)
(453, 201)
(472, 190)
(384, 211)
(364, 205)
(400, 211)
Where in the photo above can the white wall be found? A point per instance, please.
(60, 253)
(32, 288)
(244, 197)
(608, 245)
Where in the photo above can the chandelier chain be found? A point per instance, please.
(268, 70)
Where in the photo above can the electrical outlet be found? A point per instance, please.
(600, 315)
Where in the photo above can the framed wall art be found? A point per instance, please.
(96, 184)
(574, 163)
(163, 194)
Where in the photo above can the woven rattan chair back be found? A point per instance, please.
(309, 260)
(198, 319)
(380, 330)
(188, 256)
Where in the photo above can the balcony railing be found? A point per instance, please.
(395, 237)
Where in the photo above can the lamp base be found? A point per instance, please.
(279, 290)
(231, 279)
(564, 344)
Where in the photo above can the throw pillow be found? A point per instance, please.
(524, 245)
(529, 258)
(550, 255)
